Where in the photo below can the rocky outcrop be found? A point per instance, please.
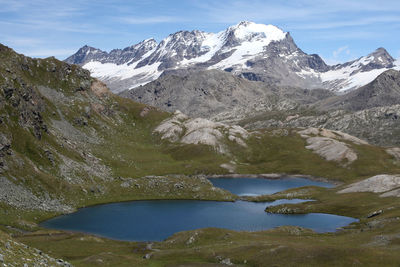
(5, 149)
(99, 88)
(331, 134)
(393, 193)
(395, 152)
(387, 185)
(330, 149)
(330, 145)
(5, 144)
(180, 128)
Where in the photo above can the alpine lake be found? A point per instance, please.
(156, 220)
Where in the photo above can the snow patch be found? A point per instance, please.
(349, 81)
(351, 77)
(246, 29)
(108, 71)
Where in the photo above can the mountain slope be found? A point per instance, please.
(214, 93)
(254, 51)
(383, 91)
(351, 75)
(66, 141)
(371, 112)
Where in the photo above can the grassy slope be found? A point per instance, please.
(129, 149)
(126, 144)
(284, 152)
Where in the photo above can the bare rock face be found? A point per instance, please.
(5, 149)
(181, 128)
(389, 185)
(332, 134)
(329, 144)
(99, 88)
(330, 149)
(393, 193)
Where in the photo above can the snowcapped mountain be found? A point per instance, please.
(253, 51)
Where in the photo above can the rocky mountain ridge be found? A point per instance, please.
(254, 51)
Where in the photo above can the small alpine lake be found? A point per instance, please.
(262, 186)
(155, 220)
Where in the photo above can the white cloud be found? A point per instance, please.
(22, 41)
(348, 23)
(340, 55)
(344, 35)
(304, 14)
(148, 20)
(54, 25)
(58, 53)
(33, 24)
(344, 49)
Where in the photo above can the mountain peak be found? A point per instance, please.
(244, 23)
(381, 52)
(245, 29)
(84, 54)
(149, 40)
(380, 58)
(88, 48)
(147, 43)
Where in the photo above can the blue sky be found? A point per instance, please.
(337, 30)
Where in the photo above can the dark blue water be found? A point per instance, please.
(159, 219)
(260, 186)
(156, 220)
